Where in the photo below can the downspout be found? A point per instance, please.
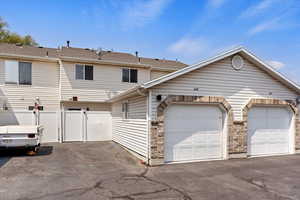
(59, 78)
(149, 125)
(61, 124)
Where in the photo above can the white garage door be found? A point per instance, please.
(193, 132)
(269, 130)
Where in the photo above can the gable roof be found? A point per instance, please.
(239, 50)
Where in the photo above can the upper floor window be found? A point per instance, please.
(84, 72)
(129, 75)
(18, 72)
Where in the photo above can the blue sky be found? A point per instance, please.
(188, 30)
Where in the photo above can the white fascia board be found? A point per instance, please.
(204, 63)
(108, 62)
(220, 57)
(273, 71)
(19, 56)
(125, 94)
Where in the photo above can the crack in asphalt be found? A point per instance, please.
(69, 193)
(143, 175)
(132, 195)
(114, 195)
(262, 185)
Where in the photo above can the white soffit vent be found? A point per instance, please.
(237, 62)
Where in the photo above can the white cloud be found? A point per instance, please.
(141, 12)
(265, 26)
(188, 47)
(258, 8)
(216, 3)
(276, 64)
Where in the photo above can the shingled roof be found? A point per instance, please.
(25, 50)
(119, 57)
(81, 53)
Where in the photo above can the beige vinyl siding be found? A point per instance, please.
(45, 81)
(220, 79)
(157, 74)
(131, 132)
(107, 82)
(137, 108)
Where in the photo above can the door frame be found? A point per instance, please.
(157, 126)
(291, 134)
(294, 129)
(223, 135)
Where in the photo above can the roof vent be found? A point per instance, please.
(237, 62)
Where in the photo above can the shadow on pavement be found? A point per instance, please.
(7, 154)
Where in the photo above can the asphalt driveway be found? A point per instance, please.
(104, 170)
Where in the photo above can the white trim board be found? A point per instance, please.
(241, 50)
(221, 56)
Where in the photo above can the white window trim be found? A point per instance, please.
(84, 72)
(18, 80)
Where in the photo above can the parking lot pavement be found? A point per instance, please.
(103, 170)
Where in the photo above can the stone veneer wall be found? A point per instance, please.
(237, 130)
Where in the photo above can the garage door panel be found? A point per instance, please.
(279, 123)
(195, 136)
(270, 134)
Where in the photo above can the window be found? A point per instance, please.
(125, 110)
(89, 75)
(18, 72)
(84, 72)
(129, 75)
(24, 73)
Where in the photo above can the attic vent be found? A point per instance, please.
(237, 62)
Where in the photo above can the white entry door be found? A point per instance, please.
(193, 132)
(73, 126)
(269, 130)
